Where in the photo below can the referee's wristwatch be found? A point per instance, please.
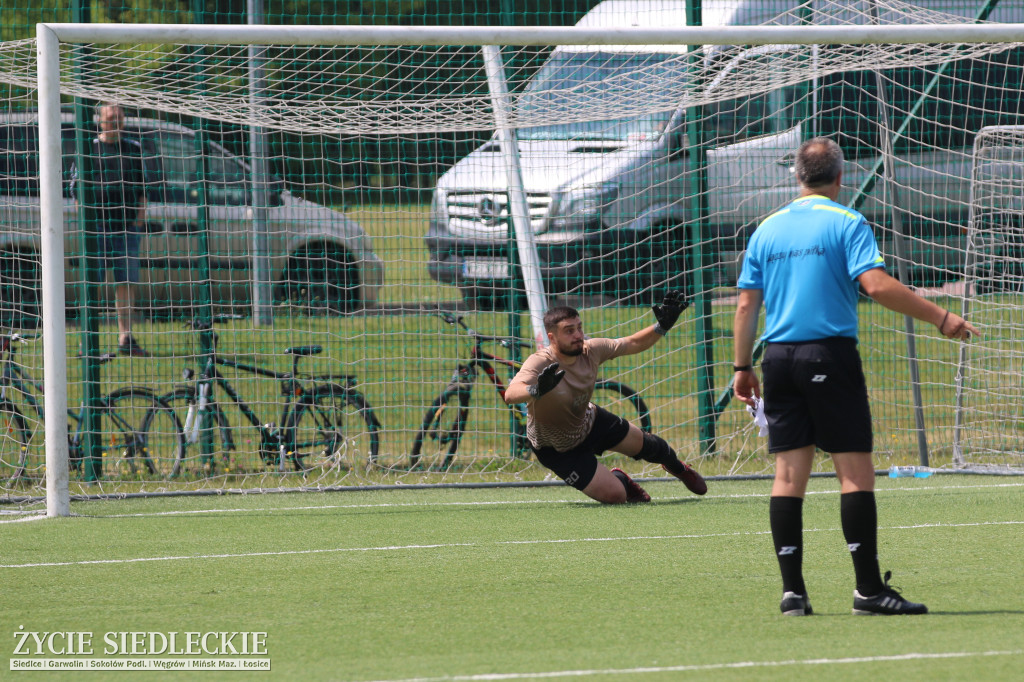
(742, 368)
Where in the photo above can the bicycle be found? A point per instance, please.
(322, 422)
(155, 446)
(444, 422)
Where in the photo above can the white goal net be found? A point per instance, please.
(355, 201)
(990, 369)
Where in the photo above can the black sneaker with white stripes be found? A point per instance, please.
(794, 604)
(888, 602)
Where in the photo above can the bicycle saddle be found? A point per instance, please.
(304, 350)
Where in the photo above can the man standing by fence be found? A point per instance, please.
(805, 262)
(117, 185)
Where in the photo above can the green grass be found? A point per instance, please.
(392, 585)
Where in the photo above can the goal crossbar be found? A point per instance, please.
(534, 35)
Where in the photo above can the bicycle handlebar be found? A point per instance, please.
(202, 323)
(505, 341)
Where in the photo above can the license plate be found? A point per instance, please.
(485, 268)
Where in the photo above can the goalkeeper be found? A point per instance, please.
(567, 432)
(804, 263)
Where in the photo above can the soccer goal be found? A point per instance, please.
(989, 370)
(376, 200)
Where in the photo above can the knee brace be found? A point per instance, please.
(656, 450)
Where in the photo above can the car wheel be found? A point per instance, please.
(321, 280)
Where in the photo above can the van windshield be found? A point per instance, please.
(590, 85)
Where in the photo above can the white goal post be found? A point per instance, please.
(899, 46)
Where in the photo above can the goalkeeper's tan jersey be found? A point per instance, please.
(563, 417)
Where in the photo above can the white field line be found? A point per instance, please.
(501, 503)
(28, 516)
(488, 677)
(447, 545)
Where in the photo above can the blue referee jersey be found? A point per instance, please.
(806, 259)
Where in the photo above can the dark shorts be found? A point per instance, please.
(578, 465)
(815, 394)
(118, 253)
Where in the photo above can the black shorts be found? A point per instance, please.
(118, 245)
(577, 466)
(815, 394)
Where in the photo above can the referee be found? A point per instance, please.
(804, 263)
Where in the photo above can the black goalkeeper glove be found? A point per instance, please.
(546, 380)
(669, 311)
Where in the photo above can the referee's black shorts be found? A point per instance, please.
(815, 394)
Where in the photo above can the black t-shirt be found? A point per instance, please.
(118, 181)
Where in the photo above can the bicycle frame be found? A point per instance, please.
(519, 409)
(467, 372)
(213, 375)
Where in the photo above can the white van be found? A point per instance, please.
(320, 258)
(610, 200)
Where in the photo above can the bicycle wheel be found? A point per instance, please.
(620, 399)
(443, 425)
(333, 427)
(14, 439)
(141, 435)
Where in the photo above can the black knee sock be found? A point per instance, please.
(787, 522)
(657, 451)
(860, 528)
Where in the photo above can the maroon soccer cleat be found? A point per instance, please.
(690, 478)
(634, 493)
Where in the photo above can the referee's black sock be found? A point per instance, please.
(787, 521)
(860, 528)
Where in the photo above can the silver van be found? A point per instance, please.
(320, 259)
(610, 200)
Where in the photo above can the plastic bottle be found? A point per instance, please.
(909, 472)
